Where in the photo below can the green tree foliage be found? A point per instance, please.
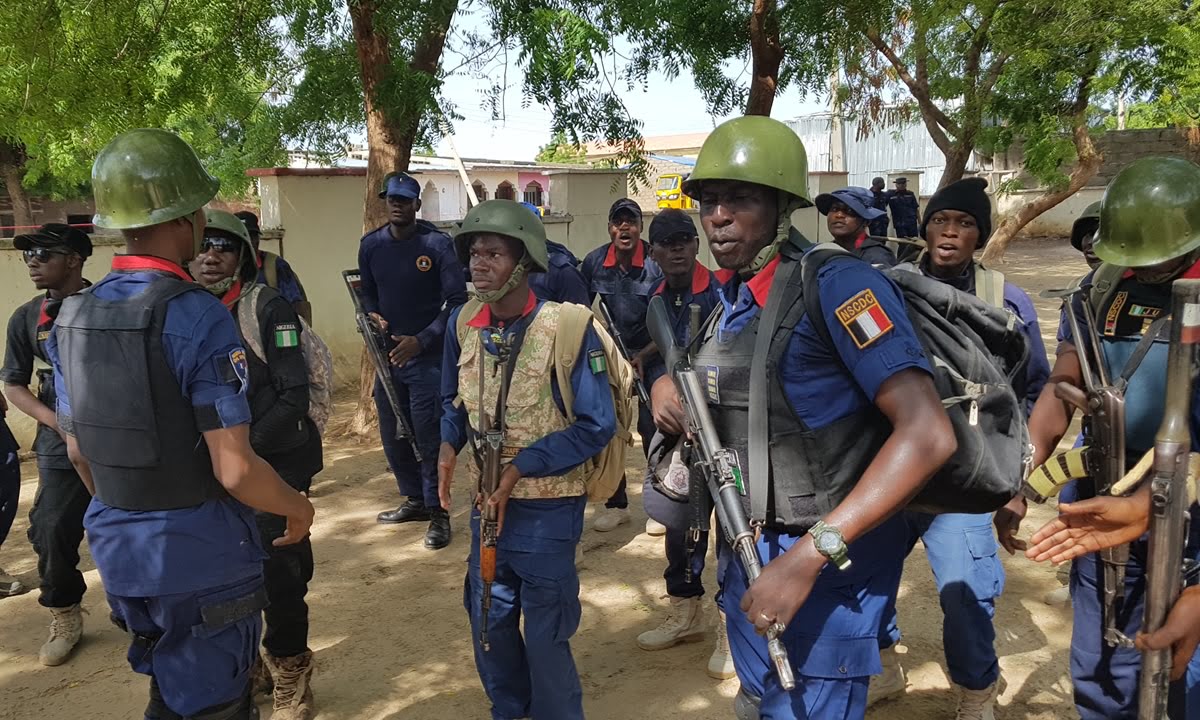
(73, 75)
(561, 150)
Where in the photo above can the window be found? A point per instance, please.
(431, 202)
(668, 182)
(6, 226)
(480, 190)
(533, 194)
(505, 191)
(83, 222)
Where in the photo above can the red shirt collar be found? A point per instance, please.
(858, 242)
(483, 318)
(639, 255)
(134, 263)
(232, 295)
(760, 284)
(701, 279)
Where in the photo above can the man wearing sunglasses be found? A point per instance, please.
(283, 434)
(55, 254)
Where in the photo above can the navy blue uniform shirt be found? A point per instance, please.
(824, 384)
(562, 282)
(627, 294)
(556, 453)
(162, 552)
(413, 283)
(905, 210)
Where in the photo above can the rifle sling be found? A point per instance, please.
(1152, 333)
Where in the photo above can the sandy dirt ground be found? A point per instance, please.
(392, 638)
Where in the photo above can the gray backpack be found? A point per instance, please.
(978, 356)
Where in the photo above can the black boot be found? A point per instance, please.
(410, 511)
(438, 534)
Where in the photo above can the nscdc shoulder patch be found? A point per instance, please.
(287, 335)
(237, 359)
(424, 263)
(864, 318)
(597, 362)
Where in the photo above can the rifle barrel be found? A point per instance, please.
(1169, 496)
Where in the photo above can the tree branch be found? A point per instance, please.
(936, 121)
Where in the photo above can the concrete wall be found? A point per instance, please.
(1055, 222)
(586, 195)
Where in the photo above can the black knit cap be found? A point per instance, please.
(966, 195)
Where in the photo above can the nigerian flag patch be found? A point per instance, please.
(597, 362)
(287, 335)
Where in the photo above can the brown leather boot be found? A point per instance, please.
(293, 692)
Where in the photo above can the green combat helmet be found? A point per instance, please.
(1085, 224)
(753, 149)
(509, 218)
(227, 222)
(1150, 213)
(146, 177)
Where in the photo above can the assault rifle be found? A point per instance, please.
(620, 341)
(490, 442)
(720, 469)
(1103, 405)
(1169, 497)
(379, 344)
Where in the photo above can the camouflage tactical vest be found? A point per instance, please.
(532, 413)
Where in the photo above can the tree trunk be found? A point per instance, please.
(390, 135)
(767, 55)
(1088, 165)
(12, 167)
(956, 165)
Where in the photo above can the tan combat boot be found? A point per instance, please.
(891, 682)
(293, 691)
(684, 623)
(66, 628)
(720, 663)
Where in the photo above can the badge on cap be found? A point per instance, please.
(237, 358)
(864, 319)
(424, 264)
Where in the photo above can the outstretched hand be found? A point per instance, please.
(1090, 526)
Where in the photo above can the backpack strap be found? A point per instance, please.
(468, 310)
(1104, 285)
(784, 294)
(573, 323)
(271, 268)
(247, 312)
(989, 286)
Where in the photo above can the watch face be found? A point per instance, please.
(829, 542)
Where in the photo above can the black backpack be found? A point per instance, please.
(978, 356)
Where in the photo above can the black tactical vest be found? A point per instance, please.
(129, 415)
(809, 472)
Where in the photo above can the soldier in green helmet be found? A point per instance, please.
(521, 633)
(1083, 233)
(1149, 236)
(151, 383)
(832, 433)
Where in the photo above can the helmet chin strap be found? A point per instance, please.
(492, 296)
(787, 204)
